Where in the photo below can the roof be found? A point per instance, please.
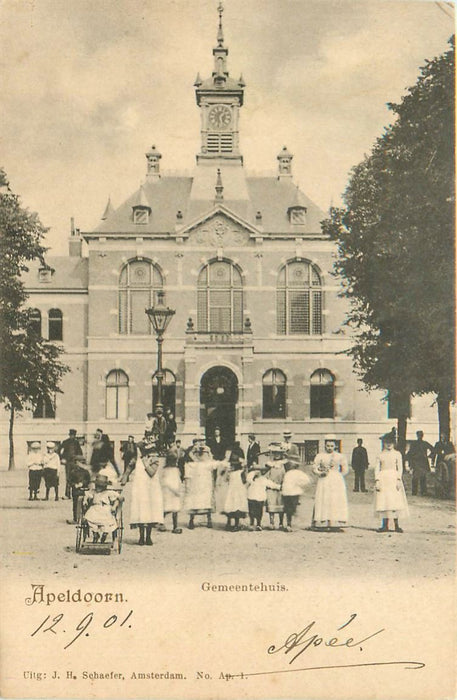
(70, 273)
(166, 195)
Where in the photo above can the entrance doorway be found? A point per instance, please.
(218, 399)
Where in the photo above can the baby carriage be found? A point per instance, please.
(99, 518)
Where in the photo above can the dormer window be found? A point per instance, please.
(45, 274)
(297, 215)
(141, 215)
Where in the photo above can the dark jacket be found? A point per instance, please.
(252, 453)
(359, 458)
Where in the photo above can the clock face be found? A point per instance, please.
(219, 116)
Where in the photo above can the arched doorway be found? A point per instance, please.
(218, 399)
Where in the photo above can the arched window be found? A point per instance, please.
(168, 391)
(35, 321)
(117, 395)
(139, 282)
(45, 408)
(299, 299)
(55, 328)
(274, 394)
(220, 298)
(322, 394)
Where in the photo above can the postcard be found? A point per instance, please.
(211, 504)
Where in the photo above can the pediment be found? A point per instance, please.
(220, 230)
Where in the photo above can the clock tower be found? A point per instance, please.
(219, 98)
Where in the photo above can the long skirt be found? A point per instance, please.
(390, 501)
(330, 503)
(146, 506)
(171, 489)
(236, 500)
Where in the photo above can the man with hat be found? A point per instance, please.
(330, 502)
(417, 457)
(146, 504)
(35, 467)
(359, 463)
(79, 482)
(290, 448)
(51, 470)
(69, 449)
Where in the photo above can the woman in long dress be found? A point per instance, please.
(390, 497)
(275, 464)
(330, 503)
(199, 477)
(146, 505)
(236, 501)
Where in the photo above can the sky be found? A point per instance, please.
(90, 85)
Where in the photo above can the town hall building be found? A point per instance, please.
(257, 340)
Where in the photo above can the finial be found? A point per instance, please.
(241, 82)
(108, 210)
(220, 33)
(219, 186)
(198, 80)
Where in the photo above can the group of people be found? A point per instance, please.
(212, 476)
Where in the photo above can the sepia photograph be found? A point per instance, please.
(227, 349)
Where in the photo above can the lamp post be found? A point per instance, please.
(160, 316)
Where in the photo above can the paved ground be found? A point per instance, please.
(35, 538)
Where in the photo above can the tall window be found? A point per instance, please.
(45, 408)
(35, 321)
(139, 282)
(274, 394)
(299, 299)
(168, 391)
(55, 328)
(322, 394)
(117, 395)
(220, 298)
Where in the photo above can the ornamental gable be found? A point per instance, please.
(219, 231)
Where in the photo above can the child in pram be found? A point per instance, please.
(101, 504)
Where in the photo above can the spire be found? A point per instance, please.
(220, 53)
(109, 209)
(220, 32)
(219, 187)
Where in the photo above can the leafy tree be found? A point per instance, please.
(30, 366)
(395, 239)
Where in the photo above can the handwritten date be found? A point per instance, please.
(55, 625)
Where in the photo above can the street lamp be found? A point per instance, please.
(159, 316)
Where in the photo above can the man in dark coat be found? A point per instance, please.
(79, 481)
(159, 428)
(218, 445)
(417, 458)
(69, 449)
(129, 451)
(359, 463)
(253, 451)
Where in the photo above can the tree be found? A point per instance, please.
(30, 367)
(395, 239)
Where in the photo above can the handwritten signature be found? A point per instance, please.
(303, 640)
